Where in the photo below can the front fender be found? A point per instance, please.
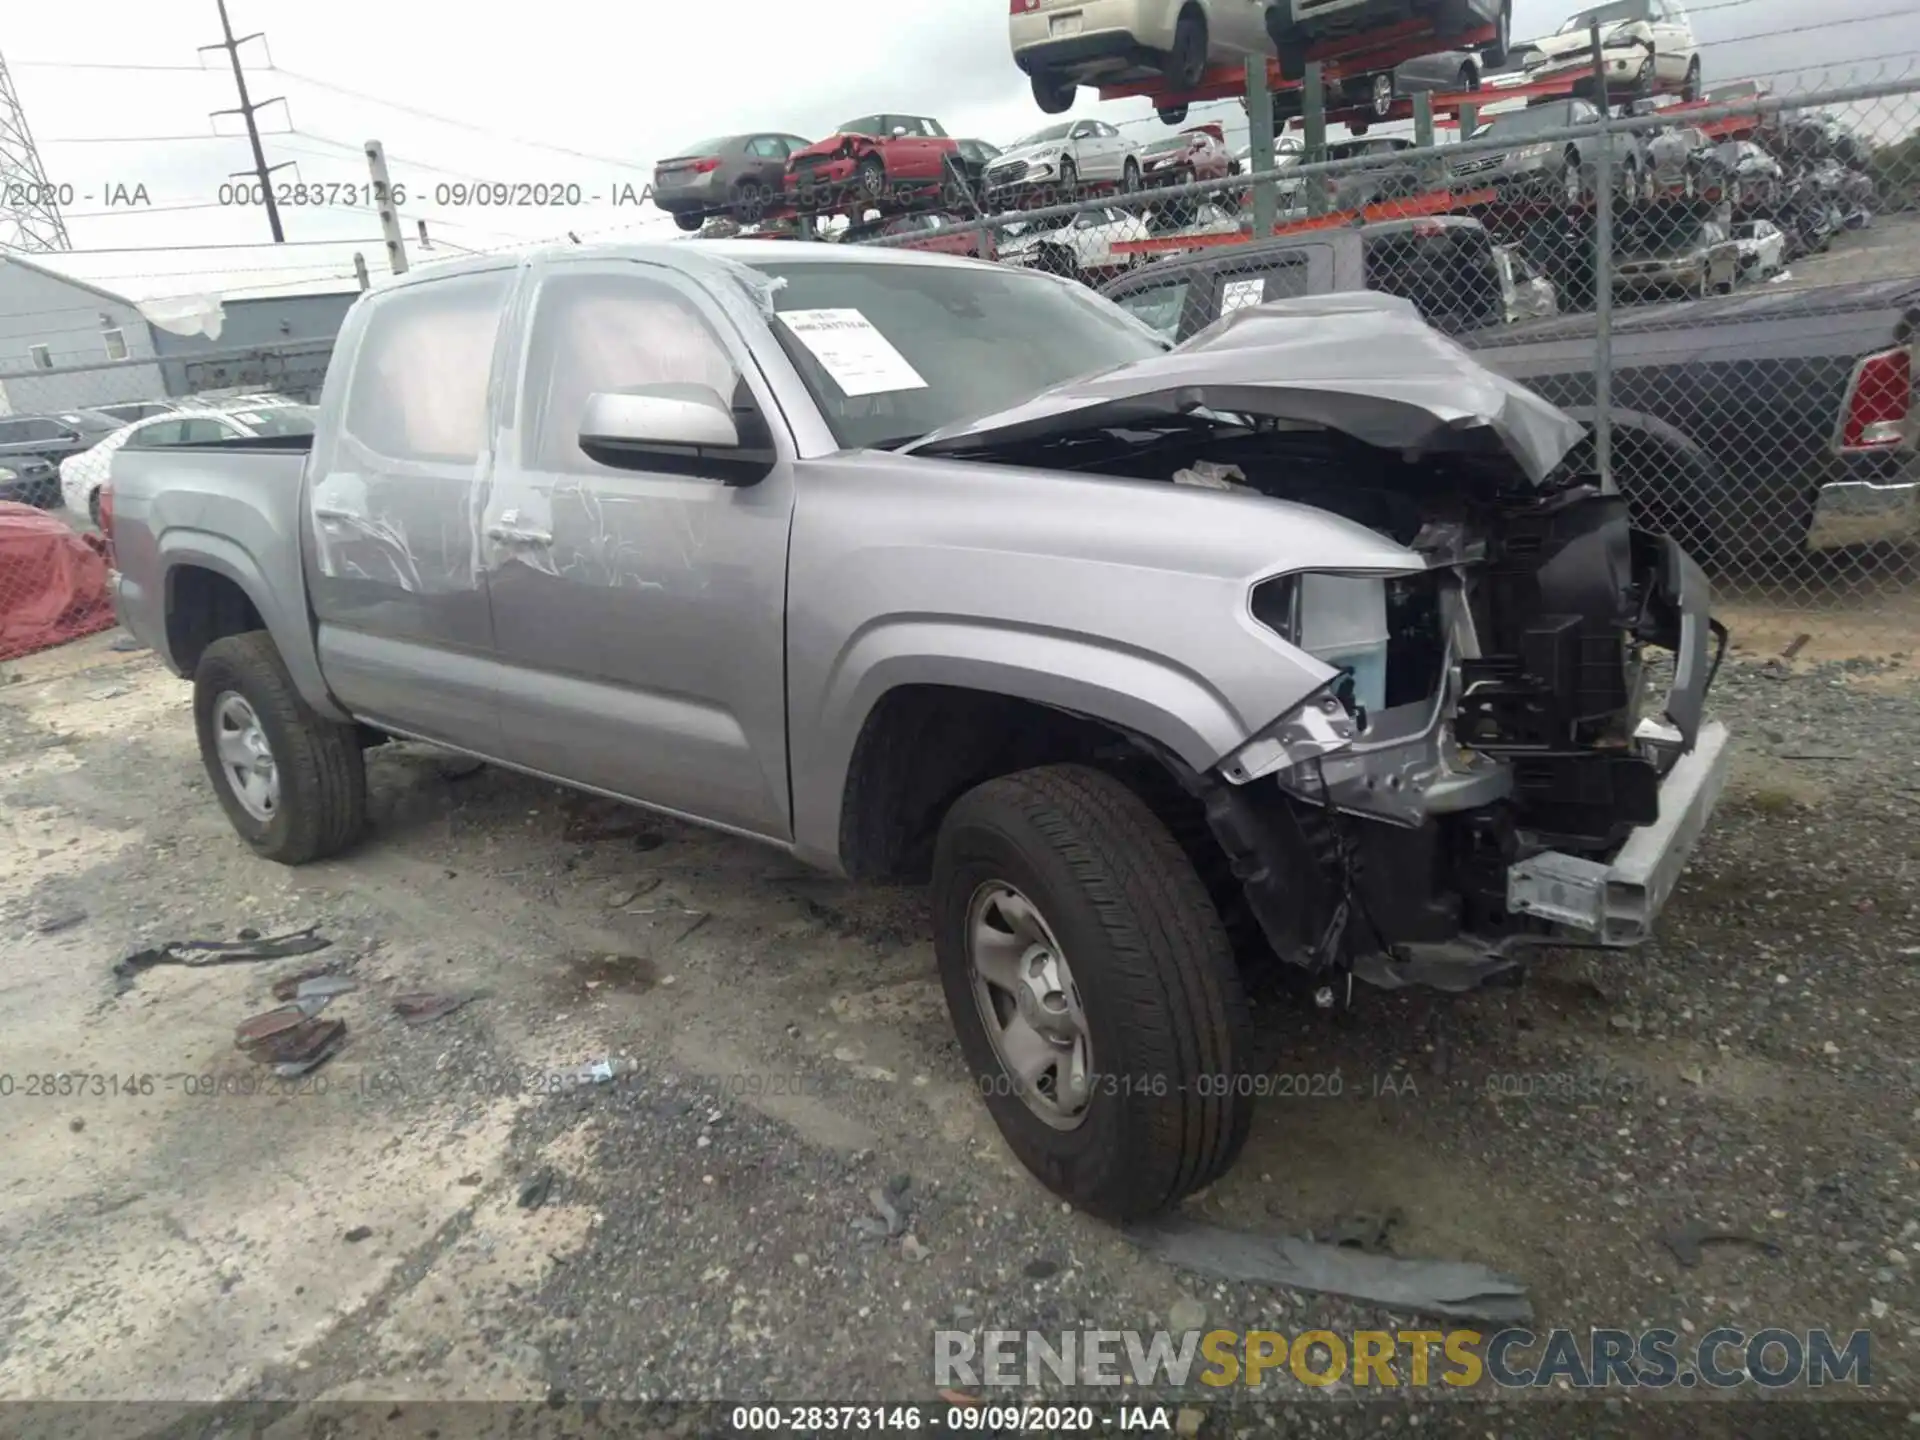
(1142, 694)
(283, 614)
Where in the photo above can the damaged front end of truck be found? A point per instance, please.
(1510, 748)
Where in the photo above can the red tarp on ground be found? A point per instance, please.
(53, 582)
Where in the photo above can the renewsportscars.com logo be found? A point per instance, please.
(1772, 1359)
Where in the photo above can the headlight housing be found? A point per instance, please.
(1625, 38)
(1533, 152)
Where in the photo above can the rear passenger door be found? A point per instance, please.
(639, 614)
(395, 487)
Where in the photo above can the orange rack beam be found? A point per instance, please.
(1411, 208)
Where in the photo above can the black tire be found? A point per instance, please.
(1167, 1021)
(1690, 87)
(1130, 177)
(1053, 95)
(93, 507)
(750, 201)
(1496, 53)
(688, 221)
(322, 804)
(870, 177)
(1172, 114)
(1468, 80)
(1187, 61)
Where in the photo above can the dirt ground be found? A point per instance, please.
(172, 1227)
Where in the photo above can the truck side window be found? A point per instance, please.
(601, 332)
(419, 389)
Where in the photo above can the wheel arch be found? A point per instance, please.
(908, 733)
(212, 588)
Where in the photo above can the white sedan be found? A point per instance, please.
(82, 475)
(1763, 247)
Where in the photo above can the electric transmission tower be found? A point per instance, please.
(29, 204)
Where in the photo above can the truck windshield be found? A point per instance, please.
(952, 342)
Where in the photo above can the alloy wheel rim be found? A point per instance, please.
(246, 756)
(1029, 1004)
(1382, 93)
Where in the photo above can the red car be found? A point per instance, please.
(1197, 153)
(873, 157)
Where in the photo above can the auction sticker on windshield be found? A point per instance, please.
(860, 359)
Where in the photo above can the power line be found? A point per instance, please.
(149, 139)
(457, 124)
(217, 245)
(1805, 29)
(107, 65)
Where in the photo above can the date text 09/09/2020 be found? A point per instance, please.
(950, 1419)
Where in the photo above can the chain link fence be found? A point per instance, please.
(1585, 252)
(62, 418)
(1588, 253)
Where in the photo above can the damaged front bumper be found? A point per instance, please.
(1615, 903)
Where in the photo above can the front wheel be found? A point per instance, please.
(1130, 177)
(871, 177)
(1496, 53)
(1690, 88)
(1093, 989)
(1172, 114)
(1069, 177)
(688, 221)
(293, 783)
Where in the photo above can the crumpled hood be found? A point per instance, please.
(1560, 47)
(1361, 363)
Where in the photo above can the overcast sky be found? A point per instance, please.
(616, 85)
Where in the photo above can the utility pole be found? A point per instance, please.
(29, 208)
(261, 170)
(383, 203)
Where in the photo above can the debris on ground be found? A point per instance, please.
(600, 1072)
(534, 1193)
(911, 1247)
(357, 1234)
(892, 1222)
(1041, 1269)
(256, 1030)
(418, 1007)
(1687, 1239)
(591, 819)
(250, 946)
(125, 644)
(309, 983)
(291, 1048)
(1447, 1288)
(55, 921)
(1366, 1230)
(111, 692)
(625, 895)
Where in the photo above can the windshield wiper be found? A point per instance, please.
(895, 443)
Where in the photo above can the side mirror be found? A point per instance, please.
(680, 430)
(899, 132)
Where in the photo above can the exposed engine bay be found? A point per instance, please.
(1494, 736)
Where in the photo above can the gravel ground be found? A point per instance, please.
(780, 1051)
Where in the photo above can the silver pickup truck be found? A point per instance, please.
(1290, 646)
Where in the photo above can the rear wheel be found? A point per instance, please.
(1187, 60)
(1052, 94)
(750, 200)
(688, 221)
(1467, 82)
(293, 783)
(1172, 114)
(1093, 989)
